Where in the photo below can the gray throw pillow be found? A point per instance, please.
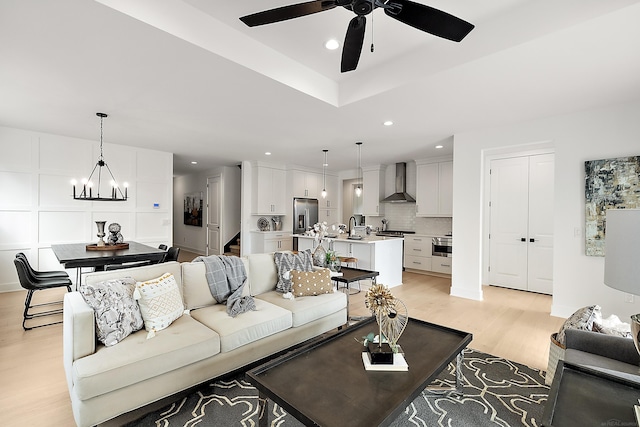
(581, 319)
(286, 261)
(117, 313)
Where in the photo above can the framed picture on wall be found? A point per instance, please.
(193, 209)
(610, 184)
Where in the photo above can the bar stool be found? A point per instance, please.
(353, 263)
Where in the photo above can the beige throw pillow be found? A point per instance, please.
(309, 283)
(160, 302)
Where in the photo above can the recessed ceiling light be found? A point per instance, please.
(332, 44)
(268, 153)
(388, 123)
(194, 163)
(439, 146)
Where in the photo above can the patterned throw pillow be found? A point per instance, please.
(310, 283)
(581, 319)
(117, 313)
(160, 302)
(285, 262)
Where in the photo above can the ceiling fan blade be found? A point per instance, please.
(428, 19)
(353, 44)
(288, 12)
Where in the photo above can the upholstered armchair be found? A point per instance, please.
(607, 353)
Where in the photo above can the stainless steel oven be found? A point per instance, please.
(441, 246)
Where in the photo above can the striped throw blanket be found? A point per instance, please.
(226, 277)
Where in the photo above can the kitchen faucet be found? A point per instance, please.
(352, 230)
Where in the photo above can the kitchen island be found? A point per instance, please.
(381, 254)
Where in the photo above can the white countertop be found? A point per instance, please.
(343, 237)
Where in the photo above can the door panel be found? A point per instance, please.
(521, 246)
(213, 215)
(541, 177)
(509, 211)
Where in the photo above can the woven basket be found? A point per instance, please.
(556, 353)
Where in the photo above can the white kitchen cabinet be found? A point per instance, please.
(434, 189)
(441, 264)
(360, 251)
(306, 184)
(372, 190)
(417, 252)
(328, 206)
(266, 242)
(270, 188)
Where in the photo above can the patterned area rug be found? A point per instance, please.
(497, 392)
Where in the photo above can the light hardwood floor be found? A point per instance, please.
(511, 324)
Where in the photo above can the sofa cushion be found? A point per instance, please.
(286, 262)
(136, 359)
(117, 313)
(195, 288)
(262, 272)
(160, 301)
(582, 319)
(267, 319)
(307, 309)
(311, 283)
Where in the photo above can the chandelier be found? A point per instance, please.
(115, 193)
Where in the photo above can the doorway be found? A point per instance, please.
(521, 222)
(213, 215)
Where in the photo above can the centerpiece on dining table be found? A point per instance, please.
(115, 241)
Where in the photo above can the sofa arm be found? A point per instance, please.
(610, 346)
(79, 328)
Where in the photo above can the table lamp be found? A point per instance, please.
(622, 261)
(622, 256)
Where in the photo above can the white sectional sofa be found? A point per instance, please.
(105, 382)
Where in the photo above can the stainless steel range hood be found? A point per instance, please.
(401, 195)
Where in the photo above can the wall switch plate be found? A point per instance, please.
(628, 298)
(577, 232)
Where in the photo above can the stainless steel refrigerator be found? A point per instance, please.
(305, 214)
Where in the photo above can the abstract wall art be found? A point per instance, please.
(609, 184)
(193, 209)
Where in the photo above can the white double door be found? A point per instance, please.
(521, 236)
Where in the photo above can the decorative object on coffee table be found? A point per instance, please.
(391, 315)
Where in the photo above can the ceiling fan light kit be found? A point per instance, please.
(416, 15)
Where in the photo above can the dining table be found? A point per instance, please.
(76, 255)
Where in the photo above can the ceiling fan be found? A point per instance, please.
(417, 15)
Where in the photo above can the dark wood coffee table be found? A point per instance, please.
(325, 383)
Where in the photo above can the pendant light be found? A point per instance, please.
(115, 193)
(359, 170)
(324, 175)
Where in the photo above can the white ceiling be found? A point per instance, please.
(186, 76)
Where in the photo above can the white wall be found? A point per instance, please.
(193, 238)
(577, 137)
(36, 204)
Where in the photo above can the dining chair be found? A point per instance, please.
(32, 283)
(172, 254)
(42, 274)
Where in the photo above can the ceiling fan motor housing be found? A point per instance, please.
(362, 7)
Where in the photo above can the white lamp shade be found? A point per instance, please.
(622, 250)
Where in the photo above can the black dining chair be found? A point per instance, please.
(57, 274)
(172, 254)
(32, 283)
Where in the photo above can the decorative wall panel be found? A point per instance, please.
(610, 184)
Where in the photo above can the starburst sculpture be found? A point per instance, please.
(390, 312)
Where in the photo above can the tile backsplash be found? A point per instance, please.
(402, 216)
